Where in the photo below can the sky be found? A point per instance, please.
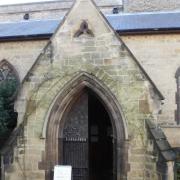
(4, 2)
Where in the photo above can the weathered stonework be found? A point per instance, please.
(105, 59)
(150, 5)
(22, 54)
(100, 57)
(159, 55)
(172, 133)
(49, 10)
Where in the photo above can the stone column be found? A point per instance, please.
(170, 170)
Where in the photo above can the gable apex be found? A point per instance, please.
(83, 22)
(85, 37)
(84, 11)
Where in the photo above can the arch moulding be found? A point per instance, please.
(64, 100)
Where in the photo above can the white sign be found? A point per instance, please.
(62, 172)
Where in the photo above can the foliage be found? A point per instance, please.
(177, 171)
(8, 117)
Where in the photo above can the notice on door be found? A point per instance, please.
(62, 172)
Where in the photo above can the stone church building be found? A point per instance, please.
(98, 89)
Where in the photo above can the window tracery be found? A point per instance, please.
(84, 29)
(6, 72)
(9, 83)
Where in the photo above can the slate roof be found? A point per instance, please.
(145, 21)
(122, 23)
(28, 29)
(161, 142)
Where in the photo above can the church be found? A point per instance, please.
(94, 85)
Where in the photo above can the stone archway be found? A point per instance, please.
(64, 102)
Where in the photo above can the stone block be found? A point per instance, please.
(144, 106)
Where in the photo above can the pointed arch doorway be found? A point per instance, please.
(86, 130)
(88, 139)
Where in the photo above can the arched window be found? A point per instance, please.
(9, 83)
(178, 96)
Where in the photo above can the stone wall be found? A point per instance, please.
(99, 53)
(49, 10)
(150, 5)
(21, 54)
(159, 55)
(173, 134)
(107, 59)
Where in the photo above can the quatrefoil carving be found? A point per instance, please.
(84, 29)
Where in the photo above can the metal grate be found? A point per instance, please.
(75, 153)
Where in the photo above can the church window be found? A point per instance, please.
(178, 96)
(9, 83)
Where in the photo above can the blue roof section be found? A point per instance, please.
(122, 23)
(27, 28)
(145, 21)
